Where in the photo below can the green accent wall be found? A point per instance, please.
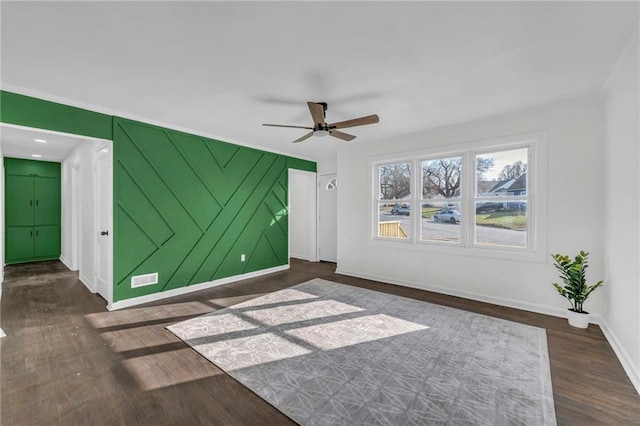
(33, 112)
(188, 207)
(185, 206)
(296, 163)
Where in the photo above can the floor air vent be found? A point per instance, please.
(142, 280)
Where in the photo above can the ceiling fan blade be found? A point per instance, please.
(286, 125)
(304, 138)
(369, 119)
(341, 135)
(317, 113)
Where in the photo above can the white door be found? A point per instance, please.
(328, 217)
(104, 206)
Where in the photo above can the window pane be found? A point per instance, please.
(502, 173)
(440, 221)
(395, 181)
(503, 225)
(441, 178)
(394, 220)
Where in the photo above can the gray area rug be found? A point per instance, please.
(330, 354)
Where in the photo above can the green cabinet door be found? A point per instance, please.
(19, 243)
(19, 200)
(47, 201)
(46, 241)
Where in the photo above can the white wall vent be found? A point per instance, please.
(142, 280)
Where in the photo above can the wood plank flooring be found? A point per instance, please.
(67, 360)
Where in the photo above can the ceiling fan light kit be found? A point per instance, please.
(321, 128)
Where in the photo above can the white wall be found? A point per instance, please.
(622, 209)
(68, 253)
(302, 215)
(575, 212)
(327, 164)
(81, 157)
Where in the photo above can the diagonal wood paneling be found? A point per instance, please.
(187, 207)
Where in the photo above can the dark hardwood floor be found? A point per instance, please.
(67, 360)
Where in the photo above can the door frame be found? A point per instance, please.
(318, 179)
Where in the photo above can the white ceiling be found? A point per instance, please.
(221, 69)
(21, 143)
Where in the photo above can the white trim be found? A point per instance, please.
(633, 372)
(107, 111)
(300, 256)
(90, 285)
(66, 262)
(134, 301)
(510, 303)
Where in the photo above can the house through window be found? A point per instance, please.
(478, 197)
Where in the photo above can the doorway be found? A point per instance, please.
(82, 164)
(302, 215)
(328, 217)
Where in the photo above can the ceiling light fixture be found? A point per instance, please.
(320, 132)
(41, 140)
(36, 155)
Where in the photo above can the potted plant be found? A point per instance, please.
(575, 289)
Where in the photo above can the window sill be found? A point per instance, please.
(520, 255)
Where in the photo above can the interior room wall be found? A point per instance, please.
(575, 184)
(328, 164)
(82, 157)
(67, 255)
(622, 208)
(302, 215)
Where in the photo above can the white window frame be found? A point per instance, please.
(536, 249)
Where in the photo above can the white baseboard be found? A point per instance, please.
(89, 284)
(540, 309)
(67, 263)
(299, 256)
(633, 371)
(134, 301)
(624, 358)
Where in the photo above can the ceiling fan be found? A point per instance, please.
(318, 112)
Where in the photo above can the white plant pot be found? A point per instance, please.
(578, 319)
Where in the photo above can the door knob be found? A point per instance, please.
(104, 233)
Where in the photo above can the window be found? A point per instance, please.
(441, 184)
(394, 200)
(478, 197)
(501, 199)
